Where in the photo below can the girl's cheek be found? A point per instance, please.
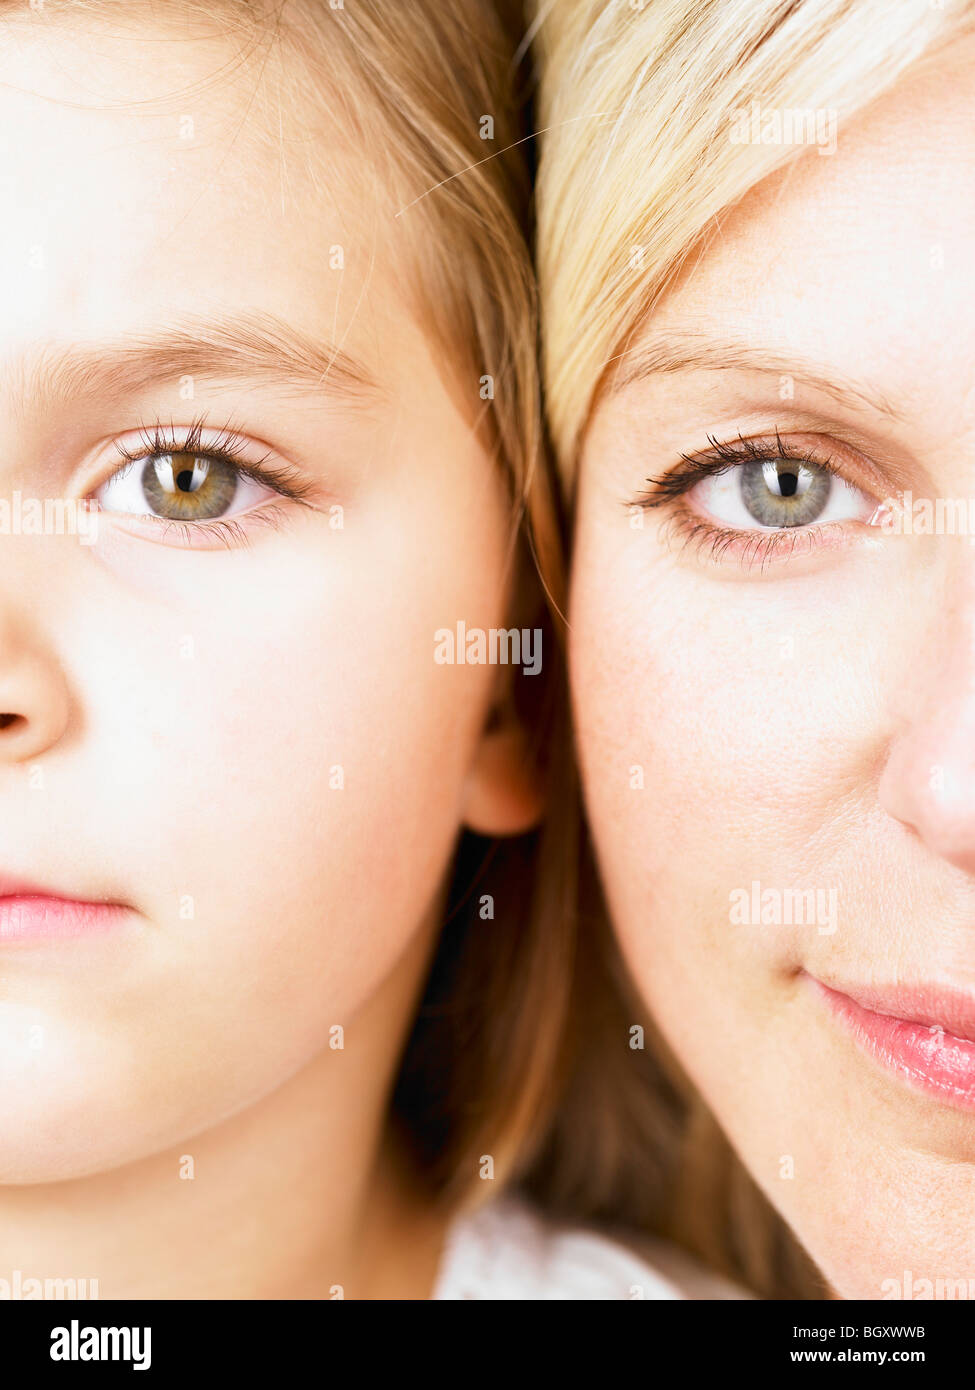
(283, 709)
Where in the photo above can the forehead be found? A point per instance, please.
(157, 173)
(859, 260)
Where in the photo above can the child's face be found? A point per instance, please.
(250, 745)
(779, 744)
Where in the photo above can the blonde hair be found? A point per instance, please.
(636, 168)
(430, 91)
(637, 165)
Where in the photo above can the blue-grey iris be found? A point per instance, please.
(784, 492)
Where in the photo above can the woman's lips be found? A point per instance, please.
(925, 1035)
(29, 914)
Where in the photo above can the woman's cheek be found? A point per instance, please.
(726, 732)
(726, 722)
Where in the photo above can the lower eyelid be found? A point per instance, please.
(214, 534)
(753, 547)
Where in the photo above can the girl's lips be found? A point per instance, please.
(35, 916)
(924, 1035)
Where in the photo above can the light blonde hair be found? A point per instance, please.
(636, 168)
(636, 100)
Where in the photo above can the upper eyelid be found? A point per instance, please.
(727, 454)
(159, 438)
(224, 442)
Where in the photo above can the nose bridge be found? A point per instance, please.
(928, 782)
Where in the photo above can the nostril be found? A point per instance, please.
(7, 719)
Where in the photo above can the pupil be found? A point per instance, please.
(184, 479)
(788, 484)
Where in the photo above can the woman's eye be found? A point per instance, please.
(777, 493)
(181, 487)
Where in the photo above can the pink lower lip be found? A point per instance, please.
(27, 917)
(924, 1054)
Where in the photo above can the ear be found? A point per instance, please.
(504, 794)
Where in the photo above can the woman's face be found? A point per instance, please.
(237, 730)
(775, 691)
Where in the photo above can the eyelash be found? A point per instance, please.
(227, 446)
(752, 549)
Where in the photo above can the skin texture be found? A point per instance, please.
(807, 722)
(183, 709)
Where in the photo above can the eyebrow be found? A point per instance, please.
(685, 352)
(238, 347)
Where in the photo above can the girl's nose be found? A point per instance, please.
(34, 702)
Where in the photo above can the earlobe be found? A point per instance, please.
(504, 787)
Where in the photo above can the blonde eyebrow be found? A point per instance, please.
(241, 347)
(680, 353)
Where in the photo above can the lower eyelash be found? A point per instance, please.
(229, 532)
(752, 547)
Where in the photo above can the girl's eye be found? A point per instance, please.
(778, 493)
(181, 487)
